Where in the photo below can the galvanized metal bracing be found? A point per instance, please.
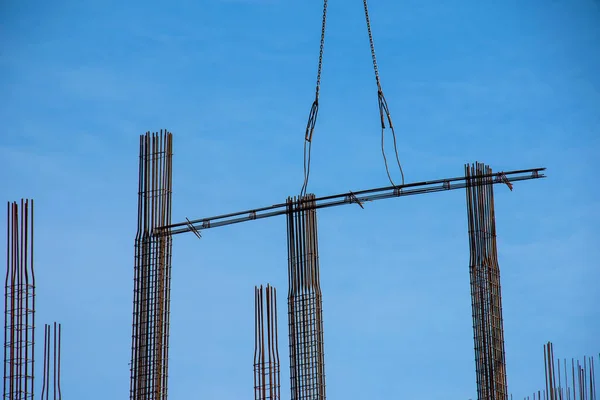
(266, 355)
(307, 365)
(152, 272)
(19, 304)
(486, 297)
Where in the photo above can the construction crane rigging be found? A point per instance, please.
(384, 112)
(153, 263)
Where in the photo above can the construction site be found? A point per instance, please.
(289, 357)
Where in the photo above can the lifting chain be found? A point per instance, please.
(314, 110)
(384, 112)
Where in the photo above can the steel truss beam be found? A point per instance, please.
(359, 197)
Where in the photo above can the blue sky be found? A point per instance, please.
(514, 84)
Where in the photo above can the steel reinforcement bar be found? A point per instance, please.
(359, 197)
(486, 299)
(19, 305)
(152, 271)
(266, 348)
(305, 308)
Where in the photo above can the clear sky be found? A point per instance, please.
(514, 84)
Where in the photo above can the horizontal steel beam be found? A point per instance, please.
(358, 197)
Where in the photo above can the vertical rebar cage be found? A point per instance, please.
(486, 298)
(19, 303)
(307, 365)
(152, 271)
(266, 347)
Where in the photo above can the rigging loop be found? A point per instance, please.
(310, 127)
(384, 114)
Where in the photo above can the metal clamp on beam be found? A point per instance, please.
(354, 199)
(193, 229)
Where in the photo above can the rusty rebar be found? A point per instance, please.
(19, 305)
(52, 346)
(152, 271)
(486, 300)
(581, 385)
(266, 347)
(307, 364)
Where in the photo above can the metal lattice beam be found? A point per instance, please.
(359, 197)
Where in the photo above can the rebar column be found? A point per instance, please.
(152, 271)
(51, 363)
(266, 355)
(486, 298)
(19, 304)
(307, 365)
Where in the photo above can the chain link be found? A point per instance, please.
(314, 110)
(323, 25)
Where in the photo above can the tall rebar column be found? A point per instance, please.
(307, 365)
(266, 355)
(51, 363)
(486, 298)
(152, 272)
(19, 304)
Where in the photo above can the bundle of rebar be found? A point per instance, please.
(307, 365)
(580, 385)
(152, 272)
(52, 345)
(19, 304)
(486, 301)
(266, 354)
(567, 382)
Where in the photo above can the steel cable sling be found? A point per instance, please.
(384, 112)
